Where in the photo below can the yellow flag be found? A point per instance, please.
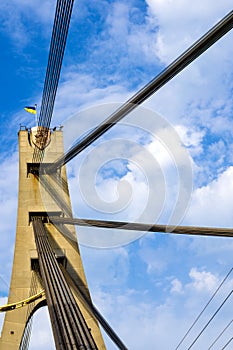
(30, 109)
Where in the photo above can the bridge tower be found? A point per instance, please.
(42, 198)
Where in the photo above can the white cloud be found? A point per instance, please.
(17, 14)
(199, 98)
(176, 286)
(212, 204)
(125, 36)
(155, 260)
(182, 22)
(202, 280)
(191, 138)
(97, 103)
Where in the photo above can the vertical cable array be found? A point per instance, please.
(24, 345)
(69, 327)
(56, 53)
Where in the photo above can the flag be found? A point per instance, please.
(30, 109)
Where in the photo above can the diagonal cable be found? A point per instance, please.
(136, 226)
(192, 53)
(198, 317)
(207, 324)
(223, 331)
(229, 341)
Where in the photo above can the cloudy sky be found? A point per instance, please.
(171, 161)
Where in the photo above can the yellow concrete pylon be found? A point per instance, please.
(35, 199)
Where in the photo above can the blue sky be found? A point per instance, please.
(158, 282)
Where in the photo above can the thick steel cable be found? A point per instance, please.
(52, 55)
(207, 324)
(220, 334)
(58, 293)
(58, 42)
(59, 51)
(56, 53)
(55, 61)
(69, 326)
(205, 307)
(134, 226)
(60, 47)
(53, 311)
(61, 291)
(200, 46)
(56, 196)
(63, 336)
(38, 154)
(108, 329)
(50, 58)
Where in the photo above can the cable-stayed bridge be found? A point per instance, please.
(47, 268)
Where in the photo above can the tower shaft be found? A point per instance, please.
(40, 196)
